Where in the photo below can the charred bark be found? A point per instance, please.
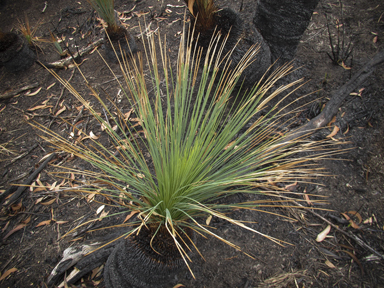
(282, 23)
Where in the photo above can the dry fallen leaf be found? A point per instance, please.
(100, 209)
(33, 93)
(48, 202)
(332, 121)
(178, 286)
(44, 106)
(5, 227)
(26, 221)
(334, 132)
(61, 111)
(323, 234)
(127, 115)
(61, 222)
(130, 215)
(7, 273)
(17, 228)
(291, 187)
(357, 214)
(42, 223)
(93, 136)
(103, 214)
(354, 213)
(208, 220)
(329, 264)
(345, 66)
(50, 86)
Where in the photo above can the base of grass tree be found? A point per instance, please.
(244, 36)
(15, 53)
(138, 263)
(120, 43)
(225, 21)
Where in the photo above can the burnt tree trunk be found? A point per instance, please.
(281, 23)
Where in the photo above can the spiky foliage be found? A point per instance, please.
(193, 151)
(203, 11)
(28, 32)
(105, 9)
(56, 43)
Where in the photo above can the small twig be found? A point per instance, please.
(78, 116)
(27, 182)
(64, 63)
(18, 91)
(22, 155)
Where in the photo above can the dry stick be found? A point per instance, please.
(337, 98)
(17, 91)
(29, 180)
(350, 235)
(67, 61)
(22, 155)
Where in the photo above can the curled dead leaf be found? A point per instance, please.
(345, 66)
(44, 106)
(332, 121)
(334, 132)
(93, 136)
(33, 93)
(357, 214)
(61, 111)
(353, 224)
(321, 236)
(50, 86)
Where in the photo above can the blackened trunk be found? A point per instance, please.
(282, 23)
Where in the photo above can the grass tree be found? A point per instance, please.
(118, 39)
(195, 149)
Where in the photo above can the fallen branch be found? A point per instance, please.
(337, 98)
(64, 63)
(27, 182)
(12, 93)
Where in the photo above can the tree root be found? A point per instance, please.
(337, 98)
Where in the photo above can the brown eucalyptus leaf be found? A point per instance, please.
(334, 132)
(17, 228)
(42, 223)
(48, 202)
(329, 264)
(7, 273)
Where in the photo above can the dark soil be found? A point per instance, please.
(356, 182)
